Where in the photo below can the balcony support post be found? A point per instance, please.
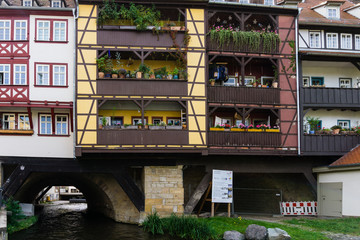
(53, 120)
(356, 65)
(30, 118)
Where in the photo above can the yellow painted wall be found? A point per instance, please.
(127, 114)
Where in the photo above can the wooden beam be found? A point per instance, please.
(52, 120)
(42, 194)
(310, 177)
(212, 111)
(212, 59)
(16, 180)
(102, 53)
(30, 118)
(130, 188)
(71, 120)
(197, 194)
(356, 65)
(102, 103)
(182, 104)
(275, 113)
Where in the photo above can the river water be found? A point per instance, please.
(72, 222)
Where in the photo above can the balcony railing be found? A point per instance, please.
(147, 87)
(329, 144)
(143, 137)
(219, 94)
(213, 45)
(14, 93)
(134, 38)
(340, 97)
(244, 1)
(244, 139)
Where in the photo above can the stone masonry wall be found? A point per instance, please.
(164, 191)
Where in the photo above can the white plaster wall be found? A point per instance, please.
(355, 12)
(305, 36)
(37, 146)
(329, 118)
(52, 53)
(331, 71)
(321, 10)
(351, 190)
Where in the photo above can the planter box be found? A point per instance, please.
(237, 129)
(157, 127)
(272, 130)
(129, 127)
(255, 130)
(174, 127)
(111, 127)
(217, 129)
(17, 132)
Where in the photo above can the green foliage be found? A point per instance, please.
(14, 207)
(313, 122)
(140, 15)
(101, 64)
(292, 65)
(22, 224)
(144, 68)
(108, 12)
(153, 224)
(335, 127)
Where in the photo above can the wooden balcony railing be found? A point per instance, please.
(14, 93)
(212, 45)
(143, 137)
(337, 97)
(147, 87)
(245, 139)
(328, 144)
(219, 94)
(242, 1)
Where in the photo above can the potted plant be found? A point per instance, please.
(336, 129)
(175, 73)
(217, 128)
(212, 82)
(101, 66)
(157, 73)
(140, 125)
(275, 84)
(160, 126)
(313, 123)
(114, 73)
(144, 71)
(122, 73)
(163, 73)
(129, 126)
(103, 122)
(175, 126)
(109, 67)
(128, 74)
(152, 75)
(133, 74)
(183, 74)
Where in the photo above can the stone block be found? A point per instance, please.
(278, 234)
(27, 209)
(151, 202)
(233, 235)
(255, 232)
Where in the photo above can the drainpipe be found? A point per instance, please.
(297, 79)
(76, 16)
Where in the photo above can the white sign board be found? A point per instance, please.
(222, 186)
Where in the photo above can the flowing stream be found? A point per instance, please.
(72, 222)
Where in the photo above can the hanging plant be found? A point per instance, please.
(108, 13)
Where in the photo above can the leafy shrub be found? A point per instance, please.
(14, 207)
(153, 224)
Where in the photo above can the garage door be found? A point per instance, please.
(330, 199)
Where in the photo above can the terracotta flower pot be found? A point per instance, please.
(336, 131)
(101, 74)
(114, 75)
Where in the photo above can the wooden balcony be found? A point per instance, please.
(120, 36)
(331, 97)
(14, 93)
(328, 144)
(143, 137)
(237, 1)
(249, 95)
(214, 46)
(244, 139)
(142, 87)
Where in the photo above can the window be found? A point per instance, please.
(332, 13)
(268, 2)
(332, 40)
(116, 121)
(345, 124)
(5, 29)
(59, 31)
(20, 30)
(243, 1)
(61, 125)
(5, 70)
(317, 81)
(43, 31)
(173, 121)
(8, 121)
(156, 121)
(23, 122)
(59, 78)
(314, 39)
(42, 75)
(19, 74)
(56, 3)
(357, 42)
(345, 82)
(27, 3)
(136, 121)
(346, 41)
(45, 124)
(306, 81)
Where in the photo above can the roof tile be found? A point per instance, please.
(351, 158)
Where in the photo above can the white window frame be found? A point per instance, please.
(137, 120)
(268, 2)
(25, 3)
(11, 126)
(348, 38)
(341, 123)
(62, 37)
(23, 37)
(332, 40)
(44, 38)
(23, 122)
(306, 81)
(56, 3)
(172, 121)
(42, 72)
(5, 29)
(345, 85)
(59, 129)
(20, 76)
(243, 1)
(331, 9)
(317, 36)
(6, 74)
(46, 122)
(357, 41)
(56, 81)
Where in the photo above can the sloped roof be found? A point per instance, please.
(43, 3)
(350, 159)
(309, 15)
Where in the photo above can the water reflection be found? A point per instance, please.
(71, 222)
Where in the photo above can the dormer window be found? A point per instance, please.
(27, 3)
(56, 3)
(333, 13)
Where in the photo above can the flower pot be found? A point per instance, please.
(184, 126)
(146, 76)
(264, 86)
(237, 129)
(272, 130)
(255, 130)
(129, 127)
(121, 76)
(254, 84)
(212, 83)
(183, 28)
(217, 129)
(312, 132)
(158, 76)
(163, 77)
(101, 74)
(176, 28)
(152, 76)
(227, 129)
(336, 131)
(139, 75)
(170, 76)
(114, 75)
(275, 84)
(107, 75)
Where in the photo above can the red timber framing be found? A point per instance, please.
(283, 106)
